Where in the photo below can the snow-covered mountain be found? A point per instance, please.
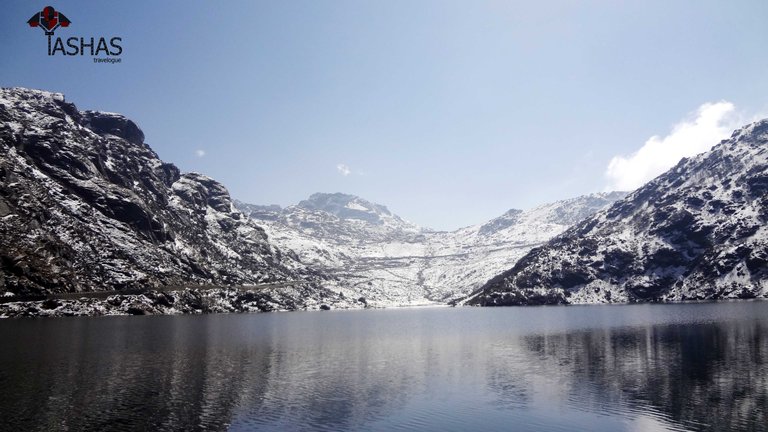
(350, 208)
(375, 254)
(338, 217)
(86, 205)
(696, 232)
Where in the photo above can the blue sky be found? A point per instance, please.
(447, 112)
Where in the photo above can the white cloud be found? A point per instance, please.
(199, 153)
(343, 169)
(710, 124)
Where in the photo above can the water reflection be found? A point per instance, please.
(113, 375)
(658, 368)
(702, 376)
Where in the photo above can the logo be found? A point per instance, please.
(49, 19)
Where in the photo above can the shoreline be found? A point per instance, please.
(227, 300)
(183, 301)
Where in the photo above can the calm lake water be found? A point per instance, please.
(590, 368)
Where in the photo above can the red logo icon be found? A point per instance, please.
(49, 19)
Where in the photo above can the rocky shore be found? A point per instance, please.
(184, 301)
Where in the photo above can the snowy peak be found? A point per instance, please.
(259, 212)
(354, 208)
(541, 223)
(570, 211)
(504, 221)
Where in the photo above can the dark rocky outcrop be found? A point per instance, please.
(113, 124)
(86, 205)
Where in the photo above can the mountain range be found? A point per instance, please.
(373, 253)
(87, 206)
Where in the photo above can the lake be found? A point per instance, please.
(592, 368)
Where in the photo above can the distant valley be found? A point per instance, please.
(373, 253)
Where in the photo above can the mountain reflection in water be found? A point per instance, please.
(644, 367)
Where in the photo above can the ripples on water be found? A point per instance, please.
(591, 368)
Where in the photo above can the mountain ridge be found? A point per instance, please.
(86, 205)
(696, 232)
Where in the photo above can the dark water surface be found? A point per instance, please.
(590, 368)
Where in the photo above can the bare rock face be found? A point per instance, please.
(696, 232)
(114, 124)
(86, 205)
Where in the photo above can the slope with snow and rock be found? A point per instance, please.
(86, 205)
(696, 232)
(377, 255)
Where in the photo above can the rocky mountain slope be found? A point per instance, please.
(696, 232)
(86, 205)
(375, 254)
